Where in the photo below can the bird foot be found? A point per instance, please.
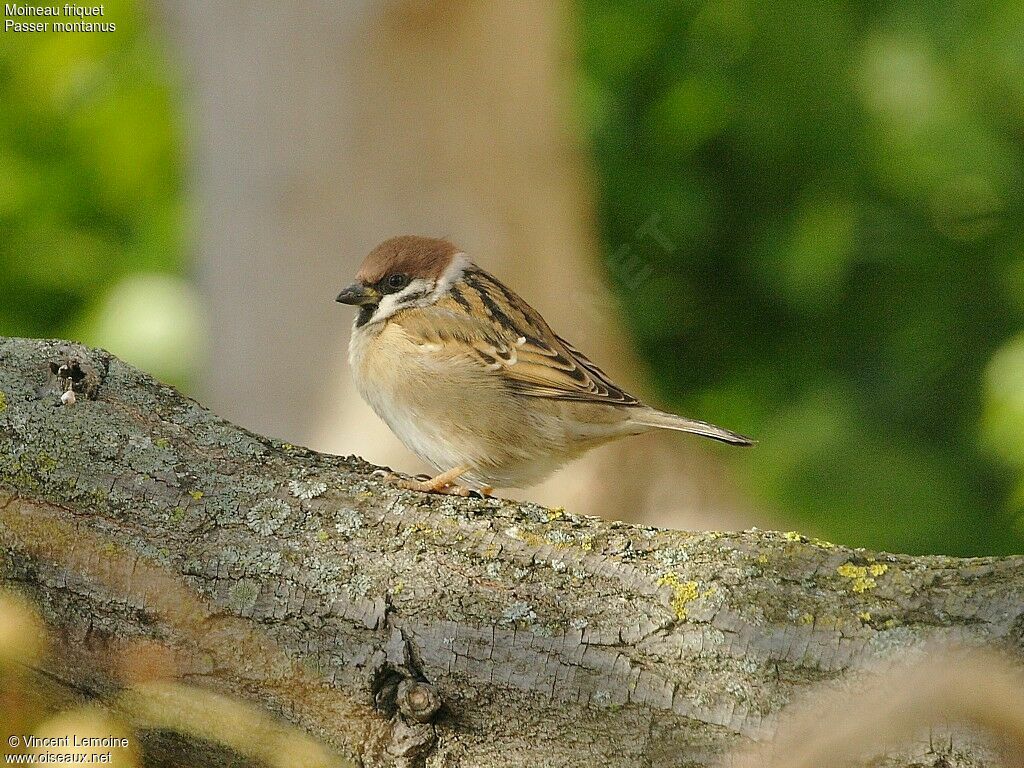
(432, 486)
(444, 483)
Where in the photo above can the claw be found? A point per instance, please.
(443, 483)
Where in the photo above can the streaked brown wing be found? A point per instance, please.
(613, 391)
(515, 342)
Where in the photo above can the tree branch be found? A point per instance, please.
(301, 583)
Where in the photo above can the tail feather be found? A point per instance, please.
(650, 417)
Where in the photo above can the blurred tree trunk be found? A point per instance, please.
(321, 129)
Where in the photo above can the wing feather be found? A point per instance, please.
(485, 319)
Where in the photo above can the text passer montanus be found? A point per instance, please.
(473, 380)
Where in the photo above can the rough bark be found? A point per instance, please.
(302, 583)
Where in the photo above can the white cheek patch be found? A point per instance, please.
(386, 308)
(418, 293)
(451, 275)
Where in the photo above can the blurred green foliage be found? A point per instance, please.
(91, 171)
(812, 212)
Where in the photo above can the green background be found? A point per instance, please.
(811, 212)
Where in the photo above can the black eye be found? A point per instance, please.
(396, 282)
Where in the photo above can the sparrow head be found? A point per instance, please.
(402, 272)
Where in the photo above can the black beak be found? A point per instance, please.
(358, 295)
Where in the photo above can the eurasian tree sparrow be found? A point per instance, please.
(473, 380)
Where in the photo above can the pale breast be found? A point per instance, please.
(441, 405)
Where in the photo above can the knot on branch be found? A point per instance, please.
(402, 692)
(418, 701)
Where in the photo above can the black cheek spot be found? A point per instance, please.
(365, 313)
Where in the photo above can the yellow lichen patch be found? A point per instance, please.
(682, 593)
(197, 495)
(424, 529)
(322, 535)
(858, 575)
(797, 536)
(864, 616)
(554, 514)
(3, 402)
(807, 618)
(850, 571)
(762, 559)
(531, 538)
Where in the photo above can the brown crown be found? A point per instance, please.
(416, 256)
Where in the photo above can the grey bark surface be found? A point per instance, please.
(304, 584)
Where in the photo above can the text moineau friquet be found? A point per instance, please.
(68, 17)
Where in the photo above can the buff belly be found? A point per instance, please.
(451, 411)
